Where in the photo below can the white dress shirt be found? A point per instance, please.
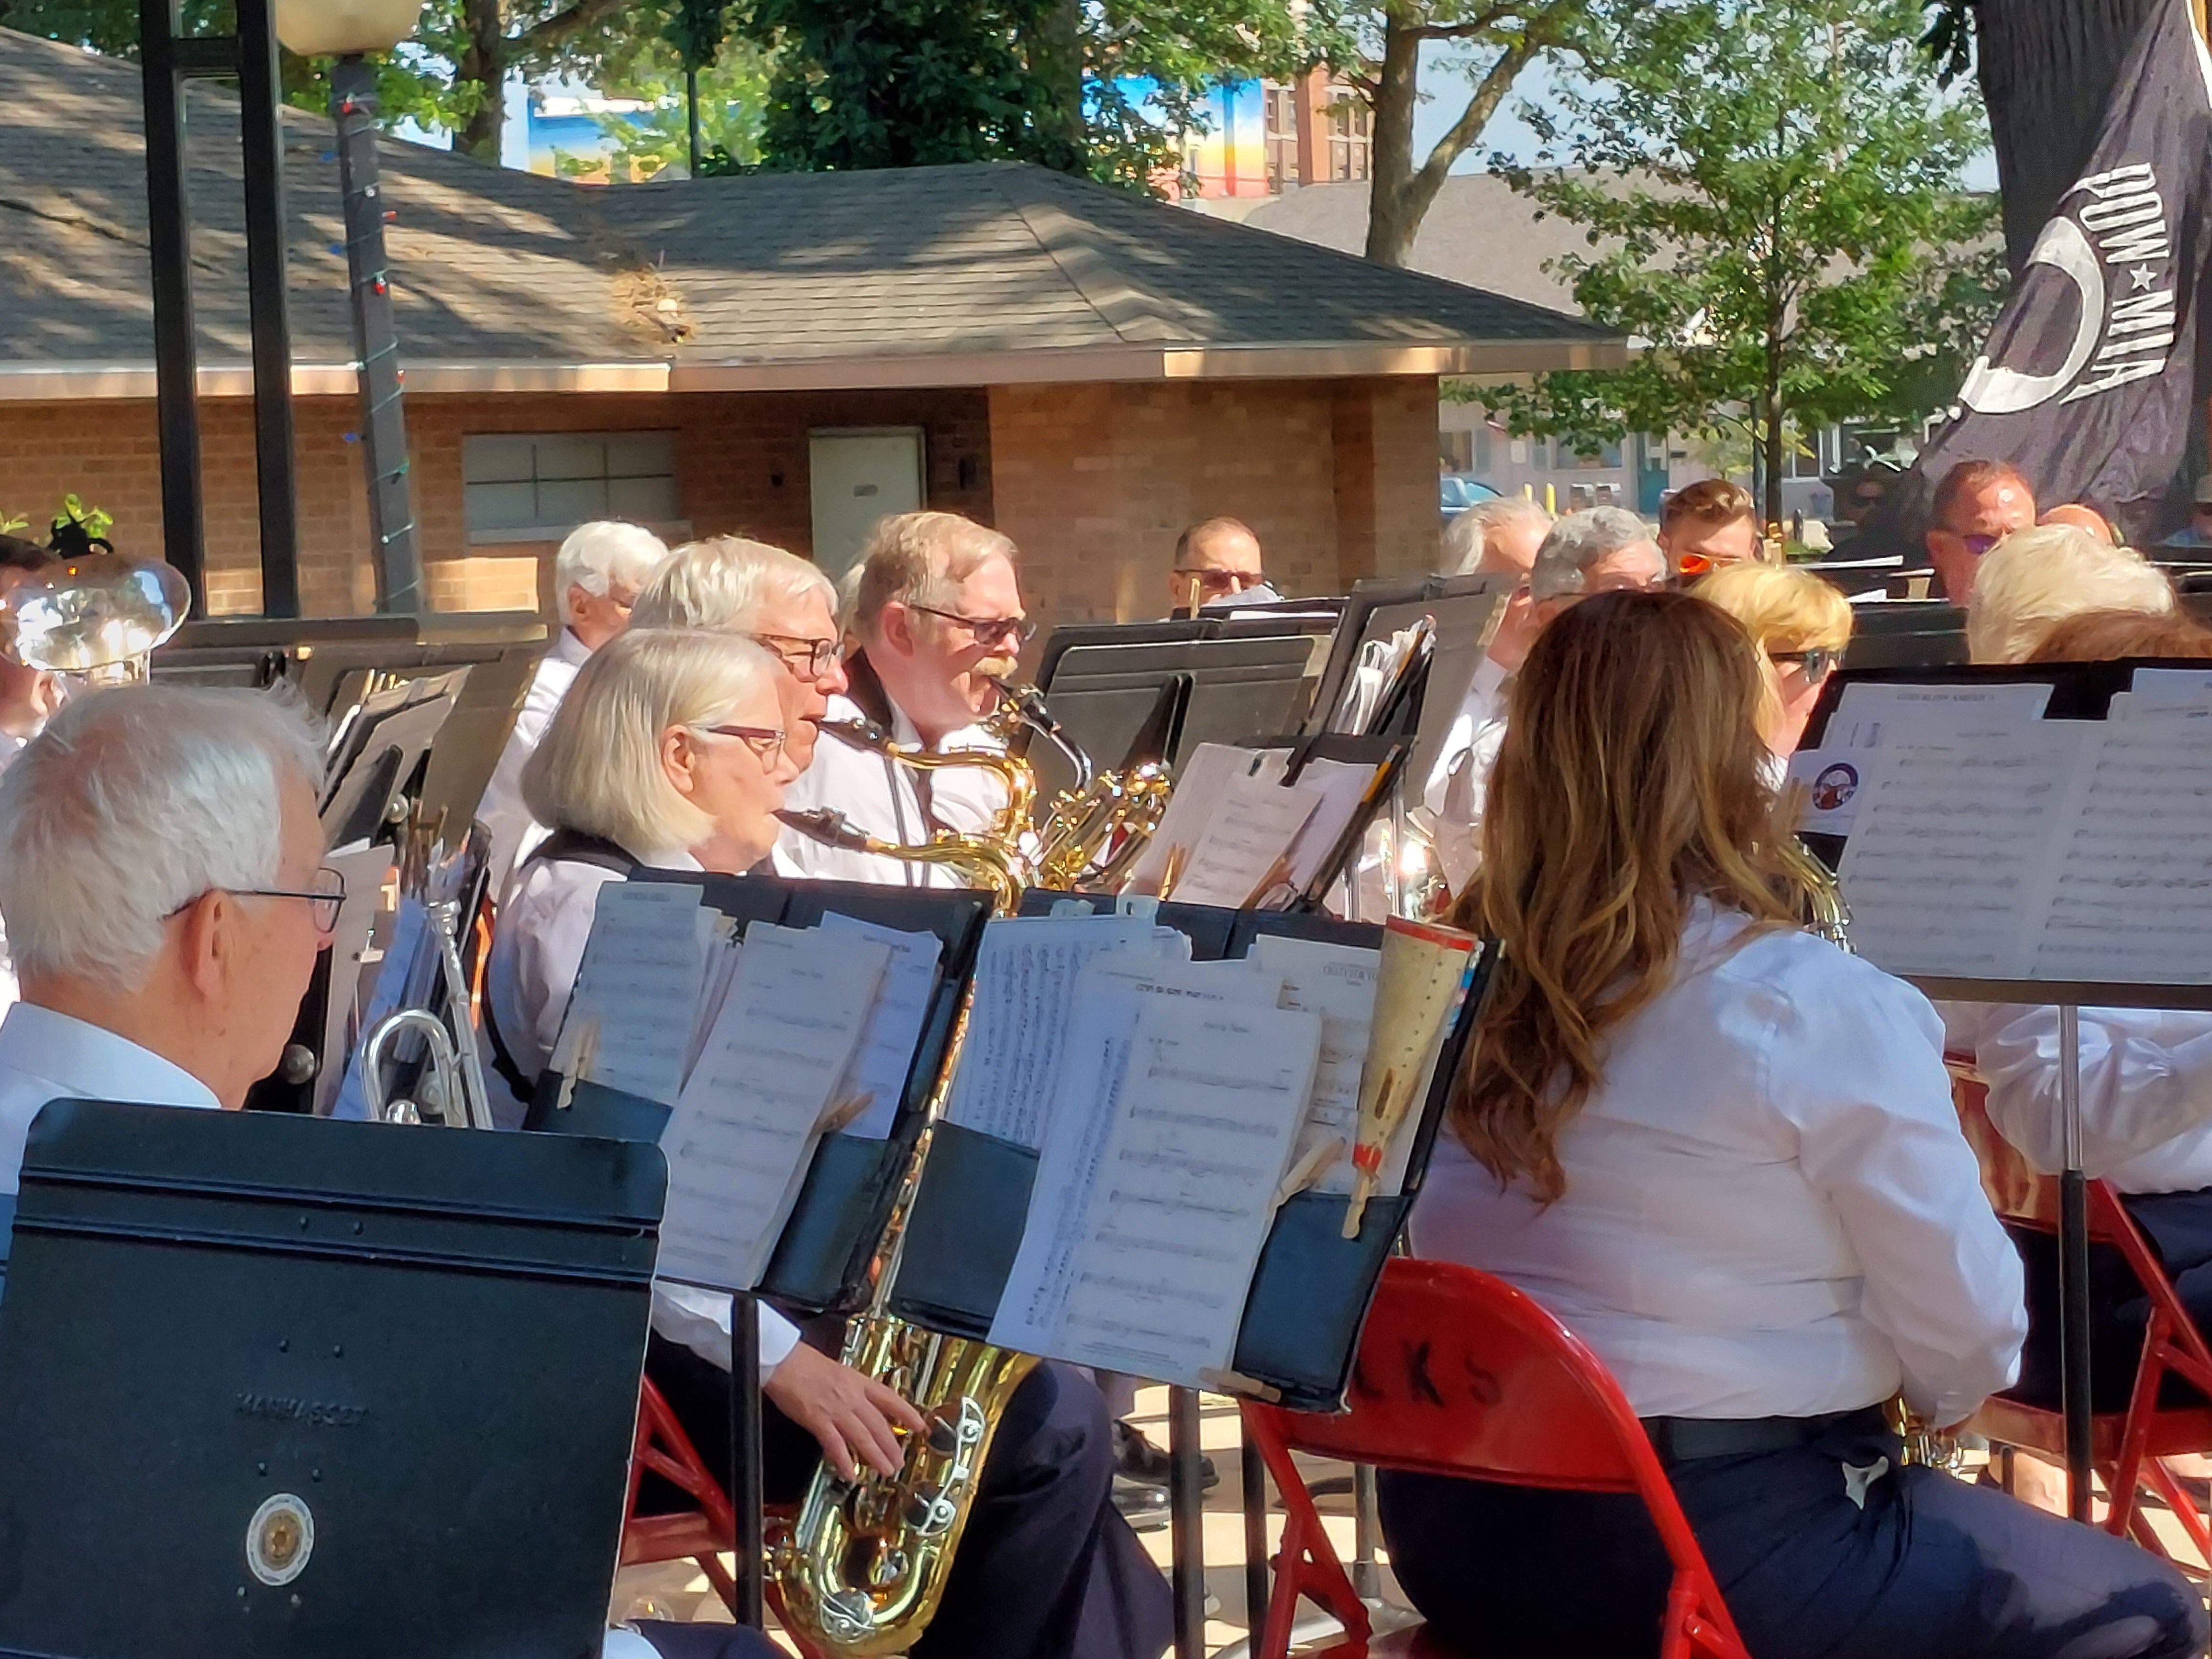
(47, 1056)
(1459, 780)
(879, 796)
(2146, 1090)
(501, 811)
(536, 948)
(1770, 1209)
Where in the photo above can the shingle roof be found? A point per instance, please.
(800, 270)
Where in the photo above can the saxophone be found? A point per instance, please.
(1091, 834)
(1828, 915)
(1013, 821)
(862, 1567)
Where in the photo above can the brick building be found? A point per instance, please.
(783, 356)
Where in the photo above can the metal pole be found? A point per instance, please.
(383, 421)
(1366, 1528)
(169, 244)
(1187, 1522)
(745, 1499)
(261, 130)
(1253, 1476)
(2073, 1270)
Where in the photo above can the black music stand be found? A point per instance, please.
(274, 1385)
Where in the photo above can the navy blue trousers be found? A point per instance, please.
(1931, 1568)
(1047, 1568)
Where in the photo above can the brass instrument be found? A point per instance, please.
(1831, 917)
(98, 616)
(1093, 832)
(456, 1097)
(863, 1566)
(1020, 782)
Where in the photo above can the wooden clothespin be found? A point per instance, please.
(1317, 1162)
(838, 1117)
(1225, 1382)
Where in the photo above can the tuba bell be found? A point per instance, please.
(98, 615)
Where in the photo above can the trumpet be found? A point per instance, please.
(458, 1096)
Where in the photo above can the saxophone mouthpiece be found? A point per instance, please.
(827, 825)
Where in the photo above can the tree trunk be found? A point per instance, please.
(1052, 43)
(1393, 217)
(2046, 69)
(483, 65)
(691, 116)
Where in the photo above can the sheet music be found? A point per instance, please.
(1337, 983)
(2189, 686)
(1246, 845)
(893, 1032)
(1197, 796)
(2130, 896)
(1023, 1000)
(405, 961)
(724, 947)
(365, 872)
(1343, 787)
(1871, 715)
(745, 1126)
(636, 1006)
(1952, 842)
(1151, 1277)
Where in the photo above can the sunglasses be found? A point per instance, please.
(987, 630)
(765, 741)
(810, 659)
(1221, 581)
(1977, 545)
(1817, 665)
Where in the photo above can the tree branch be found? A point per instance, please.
(1488, 94)
(550, 34)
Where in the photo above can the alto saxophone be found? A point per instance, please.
(863, 1566)
(1091, 833)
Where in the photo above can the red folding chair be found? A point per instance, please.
(1461, 1374)
(2125, 1446)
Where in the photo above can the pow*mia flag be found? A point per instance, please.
(2088, 382)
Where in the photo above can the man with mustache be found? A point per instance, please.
(938, 618)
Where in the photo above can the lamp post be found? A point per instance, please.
(348, 30)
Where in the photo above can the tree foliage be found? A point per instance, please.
(1773, 199)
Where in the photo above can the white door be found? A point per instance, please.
(860, 476)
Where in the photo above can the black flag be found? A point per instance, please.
(2088, 383)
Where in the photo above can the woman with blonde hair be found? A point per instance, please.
(1723, 1152)
(1801, 623)
(2033, 580)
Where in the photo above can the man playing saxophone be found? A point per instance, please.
(938, 618)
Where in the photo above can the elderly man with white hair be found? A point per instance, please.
(2035, 578)
(597, 576)
(161, 875)
(1599, 550)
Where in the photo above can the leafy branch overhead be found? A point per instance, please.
(1774, 204)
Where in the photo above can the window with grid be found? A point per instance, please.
(1281, 135)
(528, 487)
(1351, 135)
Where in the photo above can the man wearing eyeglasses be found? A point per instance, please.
(1218, 561)
(1976, 506)
(938, 620)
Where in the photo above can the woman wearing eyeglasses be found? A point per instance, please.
(1801, 623)
(939, 619)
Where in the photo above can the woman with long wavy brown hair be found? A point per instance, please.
(1723, 1151)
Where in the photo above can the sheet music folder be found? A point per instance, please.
(1309, 1299)
(224, 1326)
(822, 1256)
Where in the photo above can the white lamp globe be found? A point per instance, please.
(338, 28)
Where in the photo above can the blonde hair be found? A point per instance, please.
(721, 583)
(1630, 781)
(598, 768)
(2035, 578)
(913, 558)
(1780, 606)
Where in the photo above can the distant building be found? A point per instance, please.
(1270, 136)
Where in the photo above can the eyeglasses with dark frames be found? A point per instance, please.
(1818, 664)
(328, 896)
(986, 629)
(765, 741)
(810, 659)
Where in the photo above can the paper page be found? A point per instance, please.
(1197, 797)
(1246, 846)
(2130, 896)
(1952, 842)
(405, 951)
(743, 1131)
(2170, 687)
(893, 1031)
(631, 1017)
(365, 872)
(1343, 787)
(1023, 1001)
(1870, 716)
(1153, 1277)
(723, 949)
(1337, 983)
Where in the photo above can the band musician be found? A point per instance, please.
(938, 618)
(1724, 1153)
(162, 874)
(1046, 1567)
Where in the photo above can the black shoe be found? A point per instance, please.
(1139, 1458)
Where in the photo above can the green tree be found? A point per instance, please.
(1773, 197)
(728, 98)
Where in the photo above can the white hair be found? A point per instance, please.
(722, 584)
(598, 555)
(2033, 580)
(130, 805)
(1467, 537)
(1578, 542)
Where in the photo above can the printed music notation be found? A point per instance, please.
(638, 989)
(893, 1032)
(1337, 983)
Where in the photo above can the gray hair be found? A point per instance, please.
(1467, 537)
(913, 558)
(598, 555)
(722, 583)
(1577, 542)
(130, 805)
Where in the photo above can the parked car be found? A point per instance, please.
(1460, 491)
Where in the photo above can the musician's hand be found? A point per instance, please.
(847, 1413)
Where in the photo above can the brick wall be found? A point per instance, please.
(1093, 480)
(1338, 479)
